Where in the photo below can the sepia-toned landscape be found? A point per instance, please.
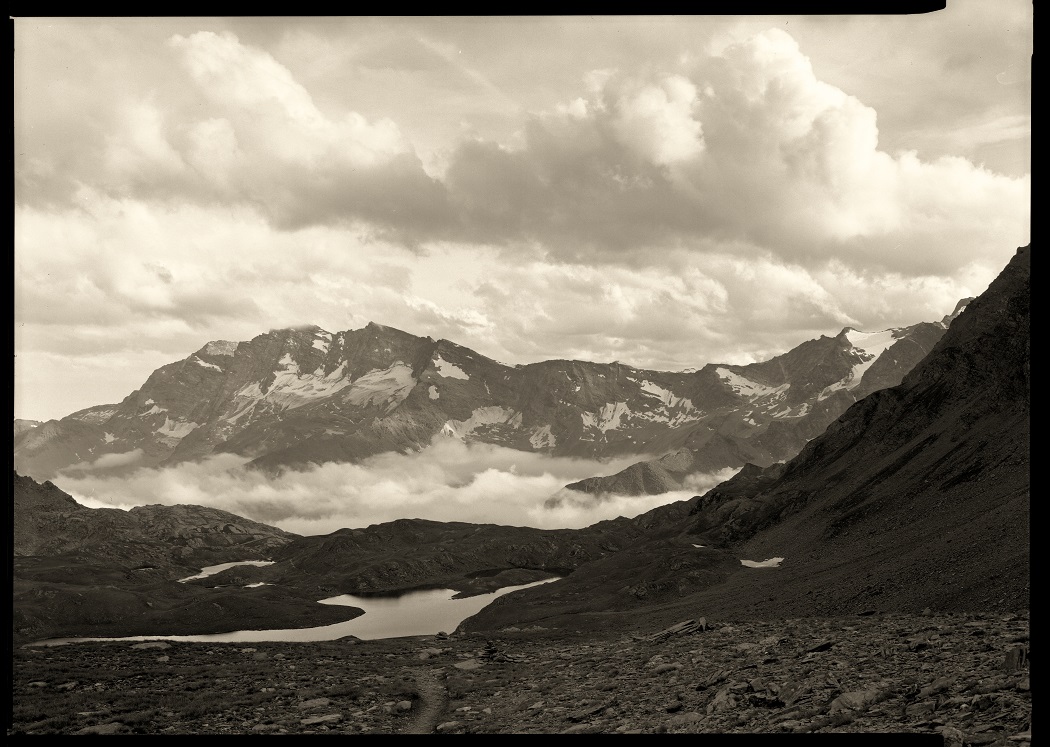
(368, 383)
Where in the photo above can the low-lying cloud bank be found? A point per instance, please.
(448, 481)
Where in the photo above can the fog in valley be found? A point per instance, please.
(447, 481)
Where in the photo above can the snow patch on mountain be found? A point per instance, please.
(745, 387)
(323, 340)
(666, 396)
(606, 419)
(770, 563)
(868, 346)
(449, 370)
(205, 364)
(110, 438)
(389, 386)
(542, 438)
(221, 347)
(245, 399)
(291, 388)
(155, 410)
(95, 415)
(175, 429)
(433, 392)
(493, 415)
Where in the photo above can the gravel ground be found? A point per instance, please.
(964, 677)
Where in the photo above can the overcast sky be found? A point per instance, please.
(666, 191)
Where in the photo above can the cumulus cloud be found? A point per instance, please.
(767, 154)
(448, 481)
(656, 120)
(744, 143)
(274, 111)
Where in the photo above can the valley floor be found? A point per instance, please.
(963, 678)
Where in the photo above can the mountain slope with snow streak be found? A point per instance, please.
(306, 396)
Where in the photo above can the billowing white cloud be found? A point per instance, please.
(768, 154)
(274, 113)
(656, 120)
(448, 481)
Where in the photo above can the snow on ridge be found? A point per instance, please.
(666, 396)
(221, 347)
(869, 346)
(493, 415)
(449, 370)
(288, 363)
(291, 389)
(321, 345)
(153, 410)
(205, 364)
(607, 418)
(770, 563)
(872, 342)
(542, 438)
(787, 412)
(176, 429)
(389, 385)
(746, 387)
(95, 416)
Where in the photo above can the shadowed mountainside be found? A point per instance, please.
(917, 497)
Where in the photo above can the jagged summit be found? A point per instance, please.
(959, 308)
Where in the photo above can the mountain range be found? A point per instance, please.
(916, 497)
(293, 398)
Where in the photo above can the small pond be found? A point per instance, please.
(413, 613)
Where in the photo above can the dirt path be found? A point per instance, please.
(433, 701)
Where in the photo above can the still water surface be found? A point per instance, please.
(414, 613)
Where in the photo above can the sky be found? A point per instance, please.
(665, 191)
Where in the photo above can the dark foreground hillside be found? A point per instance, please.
(959, 679)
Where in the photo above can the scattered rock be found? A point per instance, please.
(314, 703)
(468, 664)
(113, 727)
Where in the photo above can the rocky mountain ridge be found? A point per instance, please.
(294, 398)
(917, 496)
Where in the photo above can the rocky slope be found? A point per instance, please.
(949, 680)
(77, 569)
(918, 496)
(298, 397)
(21, 426)
(48, 522)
